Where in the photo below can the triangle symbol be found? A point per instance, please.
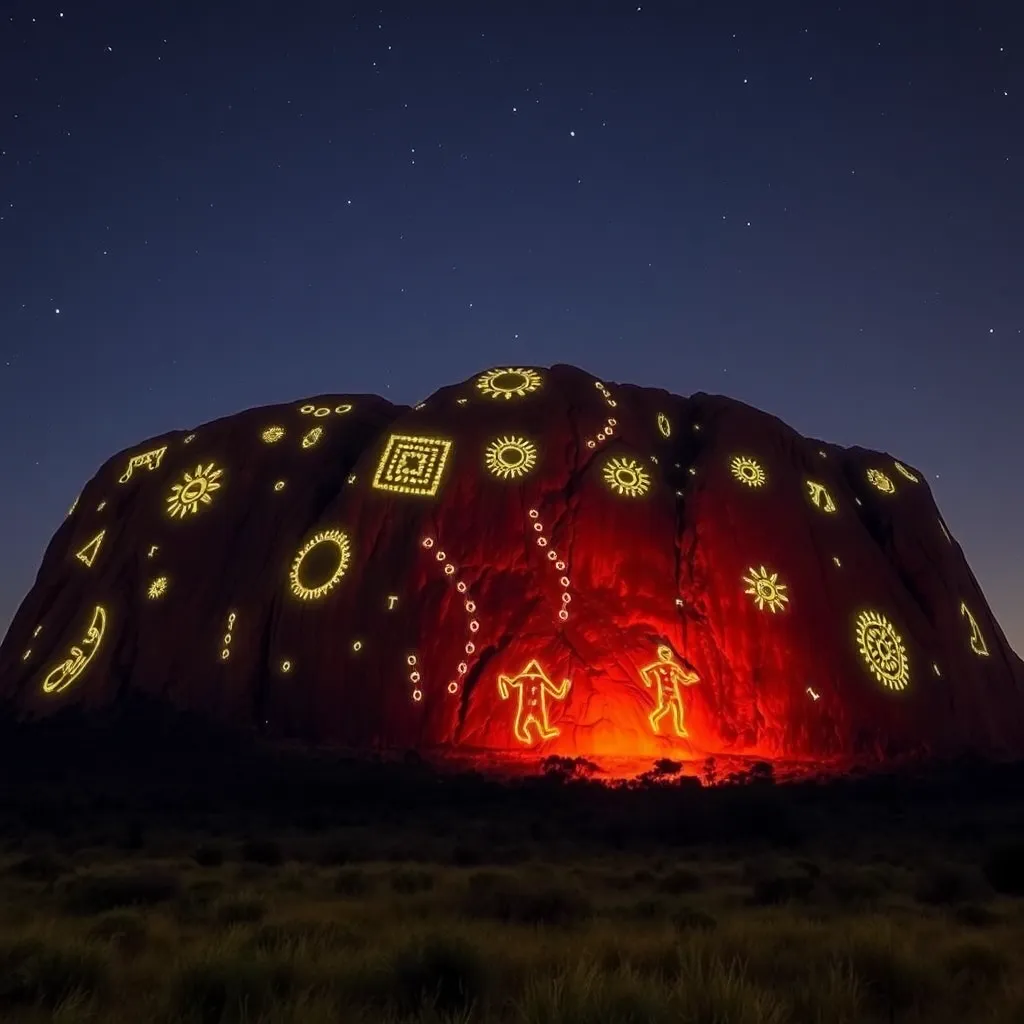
(91, 550)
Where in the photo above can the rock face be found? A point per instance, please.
(530, 562)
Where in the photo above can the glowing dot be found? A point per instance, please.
(474, 626)
(414, 677)
(471, 607)
(428, 542)
(417, 695)
(453, 687)
(279, 486)
(286, 666)
(357, 645)
(411, 660)
(563, 614)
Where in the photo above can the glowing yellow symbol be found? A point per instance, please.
(91, 550)
(835, 558)
(627, 477)
(392, 601)
(101, 506)
(157, 588)
(900, 468)
(189, 439)
(286, 666)
(508, 457)
(512, 381)
(945, 532)
(878, 479)
(225, 651)
(813, 694)
(74, 505)
(341, 542)
(152, 551)
(194, 491)
(747, 471)
(665, 676)
(882, 649)
(532, 705)
(312, 436)
(412, 465)
(149, 460)
(978, 644)
(61, 677)
(279, 486)
(342, 409)
(272, 434)
(820, 496)
(663, 425)
(766, 589)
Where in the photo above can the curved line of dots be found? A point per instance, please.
(552, 554)
(468, 605)
(610, 424)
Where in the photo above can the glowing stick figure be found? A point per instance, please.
(534, 690)
(666, 675)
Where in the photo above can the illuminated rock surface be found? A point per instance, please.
(531, 562)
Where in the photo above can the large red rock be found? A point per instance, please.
(530, 562)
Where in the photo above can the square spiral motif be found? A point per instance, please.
(412, 465)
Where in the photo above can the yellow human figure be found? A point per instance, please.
(534, 690)
(666, 675)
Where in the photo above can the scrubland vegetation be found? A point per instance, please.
(203, 883)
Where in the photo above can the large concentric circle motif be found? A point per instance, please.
(310, 589)
(509, 457)
(878, 479)
(627, 477)
(748, 472)
(882, 649)
(508, 382)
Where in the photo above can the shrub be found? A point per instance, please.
(267, 852)
(124, 929)
(946, 883)
(1004, 868)
(439, 972)
(43, 866)
(689, 918)
(229, 987)
(208, 856)
(33, 971)
(782, 888)
(95, 892)
(679, 880)
(242, 909)
(352, 882)
(411, 880)
(504, 897)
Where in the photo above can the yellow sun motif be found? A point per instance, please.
(765, 588)
(509, 382)
(664, 425)
(878, 479)
(272, 434)
(312, 437)
(903, 471)
(882, 650)
(627, 477)
(193, 491)
(157, 588)
(748, 472)
(344, 551)
(508, 457)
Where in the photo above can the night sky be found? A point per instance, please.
(818, 210)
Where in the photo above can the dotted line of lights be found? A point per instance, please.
(609, 424)
(552, 555)
(225, 651)
(468, 605)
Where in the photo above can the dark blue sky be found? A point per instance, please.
(817, 209)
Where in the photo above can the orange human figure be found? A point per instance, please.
(534, 690)
(666, 675)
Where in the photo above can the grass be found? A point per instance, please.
(546, 903)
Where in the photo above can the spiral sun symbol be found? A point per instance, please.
(157, 588)
(627, 477)
(765, 588)
(508, 457)
(193, 491)
(882, 649)
(509, 382)
(748, 472)
(272, 434)
(878, 479)
(903, 471)
(311, 591)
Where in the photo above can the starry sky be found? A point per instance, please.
(814, 208)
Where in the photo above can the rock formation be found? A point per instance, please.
(530, 562)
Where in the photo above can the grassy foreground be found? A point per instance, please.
(548, 901)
